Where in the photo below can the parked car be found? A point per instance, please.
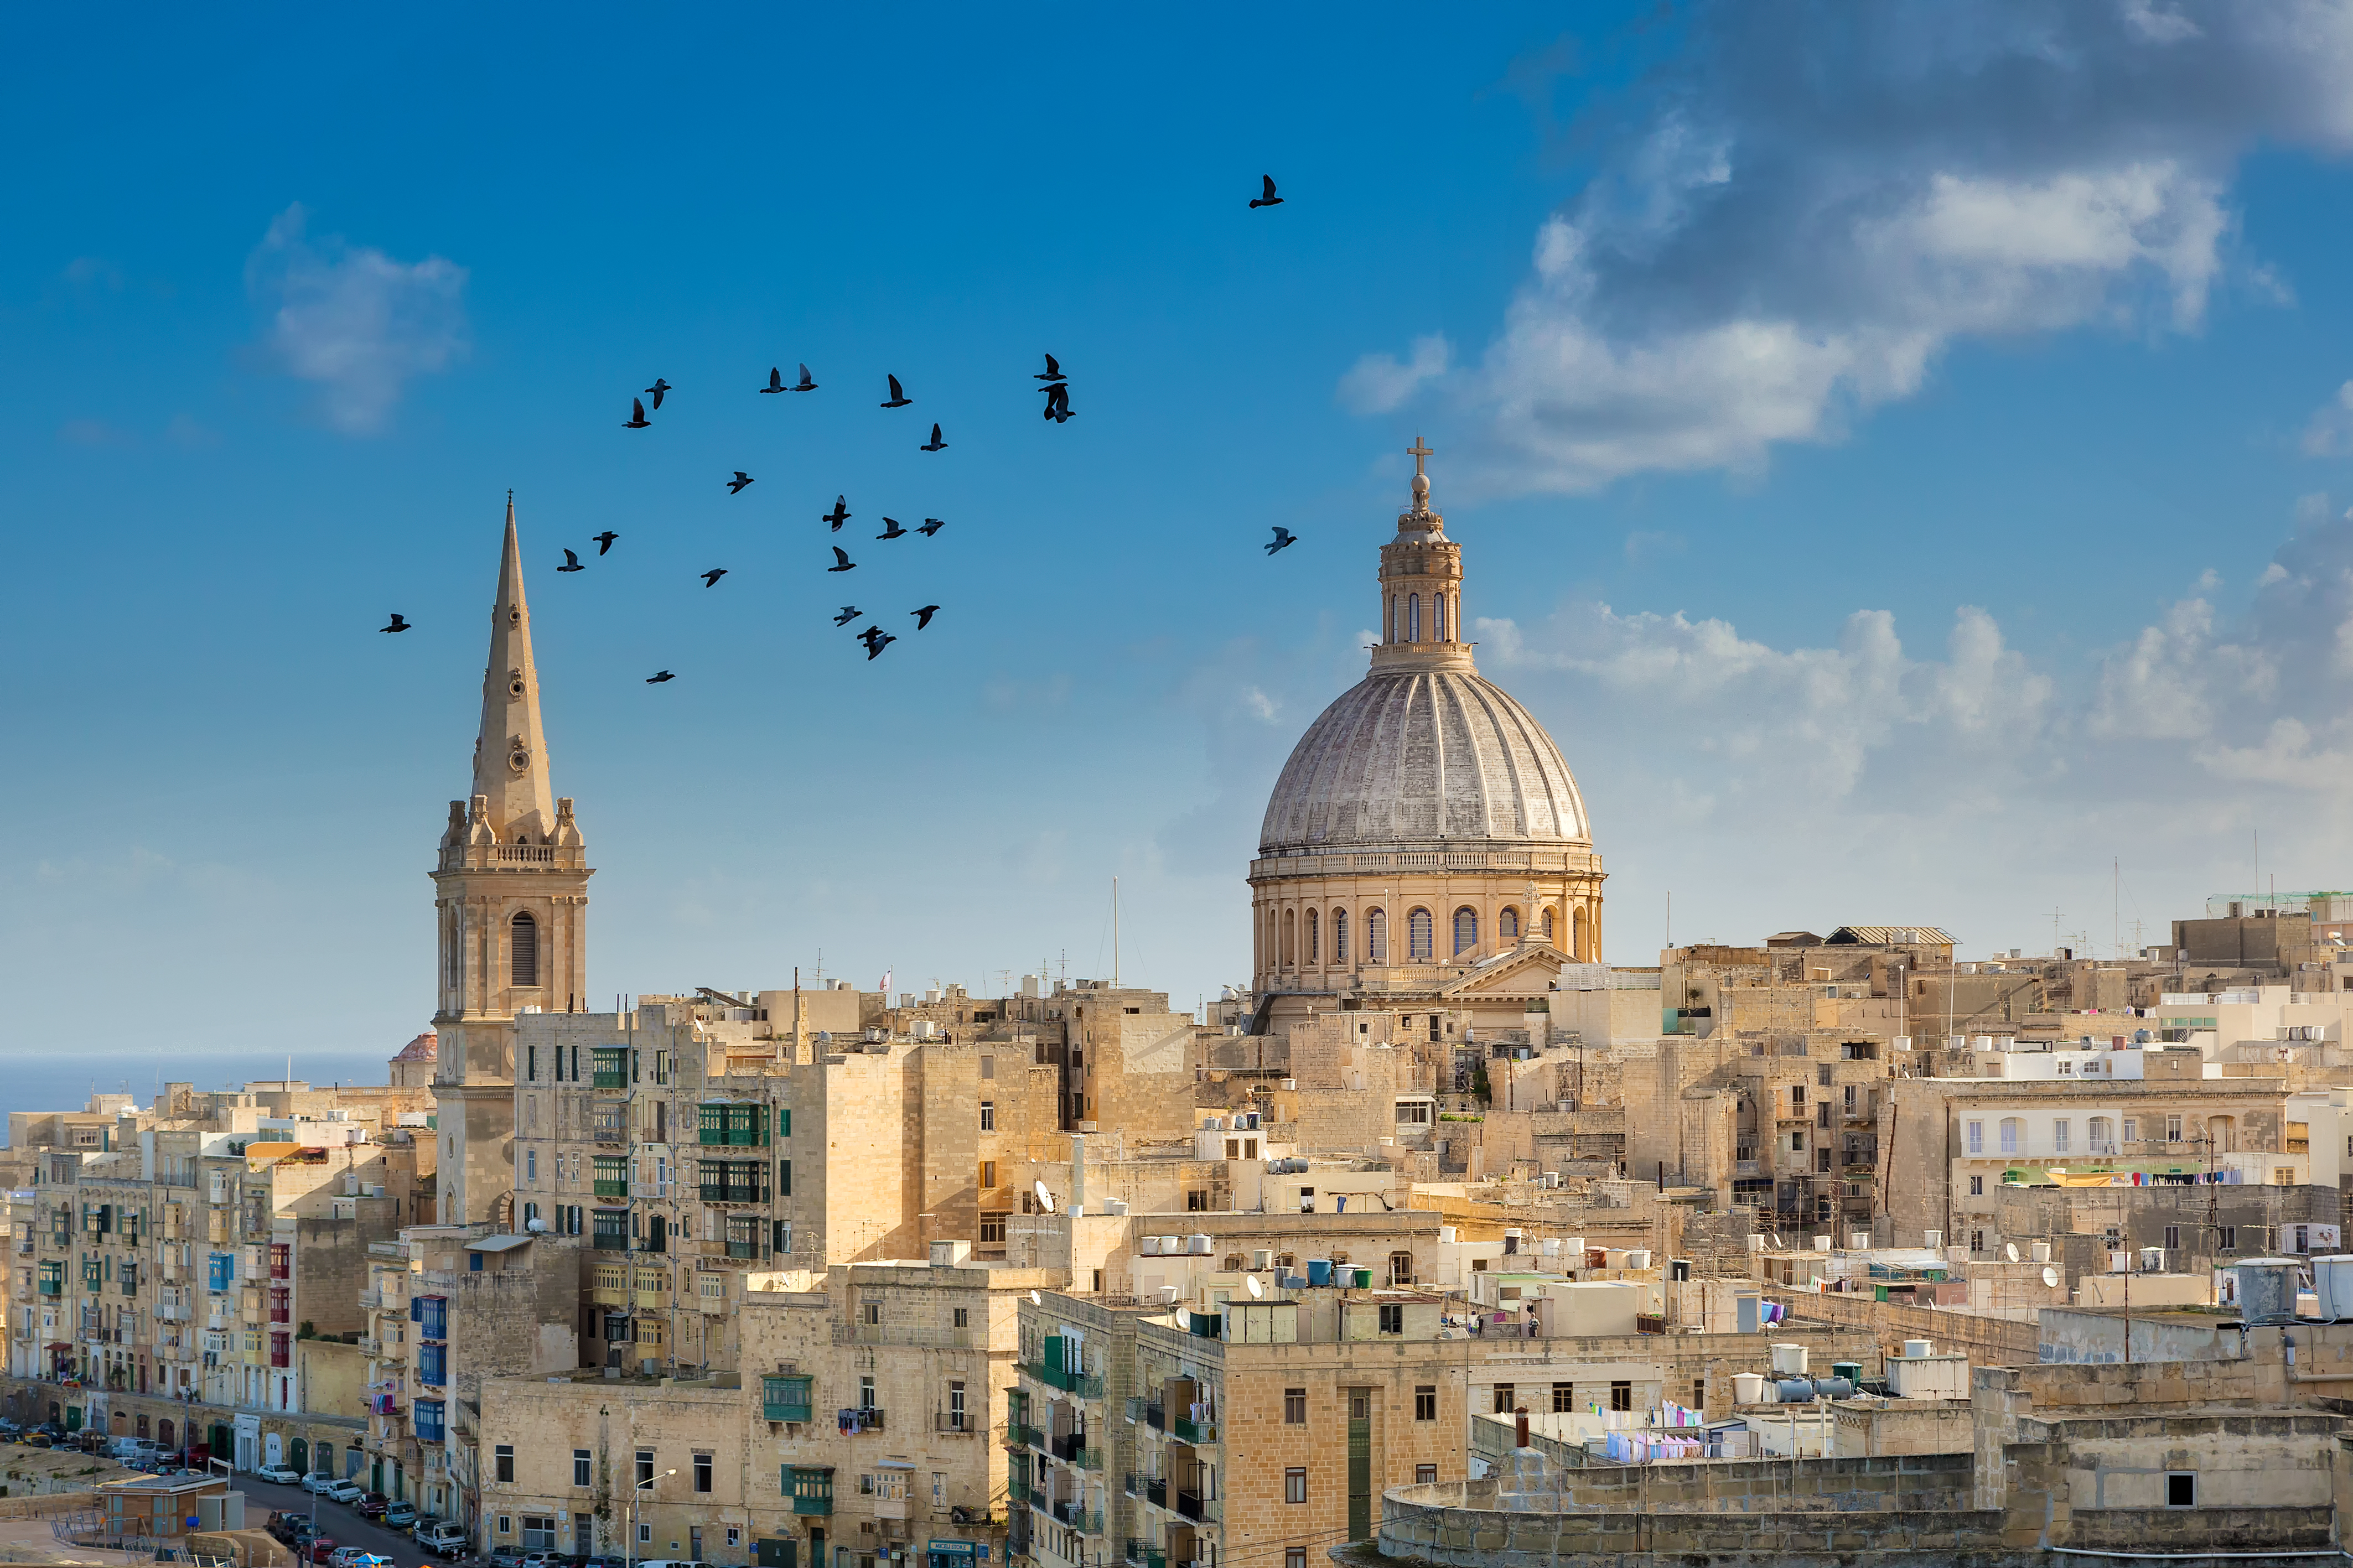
(400, 1515)
(344, 1492)
(319, 1482)
(280, 1474)
(346, 1557)
(369, 1560)
(322, 1548)
(38, 1440)
(371, 1505)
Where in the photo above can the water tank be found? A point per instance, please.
(1199, 1246)
(1858, 1241)
(1916, 1350)
(1261, 1258)
(1574, 1246)
(1849, 1369)
(1216, 1124)
(1319, 1271)
(1364, 1278)
(1794, 1390)
(1821, 1244)
(1549, 1247)
(2040, 1252)
(2267, 1288)
(1447, 1235)
(1747, 1388)
(1637, 1257)
(2332, 1281)
(1789, 1360)
(1833, 1388)
(1116, 1205)
(1148, 1245)
(1932, 1240)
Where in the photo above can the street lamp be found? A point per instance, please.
(629, 1547)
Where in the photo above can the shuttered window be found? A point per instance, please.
(524, 969)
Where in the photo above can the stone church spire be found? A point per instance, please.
(510, 783)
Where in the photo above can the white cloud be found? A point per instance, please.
(1378, 382)
(1788, 225)
(353, 320)
(2330, 431)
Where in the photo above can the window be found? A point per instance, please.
(873, 1311)
(1424, 1475)
(2181, 1490)
(1419, 932)
(645, 1534)
(1699, 1393)
(2103, 1135)
(1294, 1407)
(988, 1115)
(956, 1407)
(1401, 1263)
(530, 1165)
(1621, 1396)
(645, 1466)
(538, 1533)
(1563, 1398)
(1392, 1318)
(2282, 1176)
(2132, 1129)
(702, 1472)
(1438, 614)
(2173, 1129)
(1290, 938)
(1340, 938)
(989, 1066)
(2059, 1136)
(503, 1465)
(2010, 1130)
(1294, 1484)
(1976, 1186)
(2172, 1238)
(506, 1524)
(988, 1172)
(1466, 929)
(964, 1317)
(2227, 1237)
(582, 1467)
(1376, 936)
(1507, 926)
(1798, 1099)
(1425, 1402)
(784, 1178)
(1294, 1557)
(524, 968)
(992, 1230)
(1502, 1405)
(1977, 1138)
(1313, 947)
(784, 1398)
(1413, 617)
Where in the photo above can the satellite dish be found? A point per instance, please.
(2009, 1250)
(1045, 1198)
(1036, 1300)
(1255, 1289)
(2051, 1277)
(1184, 1318)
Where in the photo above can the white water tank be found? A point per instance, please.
(1216, 1124)
(2040, 1252)
(1858, 1241)
(1261, 1258)
(1918, 1349)
(1149, 1246)
(1932, 1240)
(2332, 1282)
(1821, 1244)
(1748, 1388)
(1789, 1360)
(1446, 1234)
(1200, 1246)
(1637, 1257)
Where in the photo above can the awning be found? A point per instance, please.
(497, 1244)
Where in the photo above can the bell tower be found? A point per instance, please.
(510, 903)
(1422, 587)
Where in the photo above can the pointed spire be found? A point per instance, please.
(510, 753)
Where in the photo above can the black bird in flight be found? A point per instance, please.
(932, 525)
(735, 486)
(399, 623)
(934, 444)
(659, 675)
(1267, 198)
(776, 381)
(806, 385)
(849, 614)
(1058, 402)
(876, 640)
(657, 389)
(604, 540)
(570, 563)
(637, 419)
(923, 616)
(710, 578)
(841, 561)
(1053, 370)
(838, 515)
(899, 399)
(891, 529)
(1284, 539)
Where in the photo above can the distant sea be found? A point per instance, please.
(59, 1080)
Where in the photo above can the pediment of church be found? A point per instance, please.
(1525, 971)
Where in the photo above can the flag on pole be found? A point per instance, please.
(885, 986)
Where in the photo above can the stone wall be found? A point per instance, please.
(1988, 1341)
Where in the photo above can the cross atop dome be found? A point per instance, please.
(1419, 451)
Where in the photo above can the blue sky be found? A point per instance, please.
(1902, 460)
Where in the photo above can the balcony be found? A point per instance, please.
(655, 1190)
(1076, 1516)
(1084, 1385)
(606, 1189)
(1196, 1508)
(602, 1080)
(1017, 1436)
(743, 1249)
(652, 1300)
(1143, 1555)
(1153, 1489)
(733, 1191)
(1140, 1407)
(612, 1241)
(952, 1421)
(1017, 1492)
(610, 1131)
(1196, 1432)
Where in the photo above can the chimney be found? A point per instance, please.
(1520, 1428)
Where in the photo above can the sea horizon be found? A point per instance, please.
(61, 1081)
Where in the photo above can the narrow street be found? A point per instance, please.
(337, 1521)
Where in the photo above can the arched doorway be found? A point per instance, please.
(298, 1457)
(120, 1421)
(216, 1440)
(163, 1432)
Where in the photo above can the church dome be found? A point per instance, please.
(1415, 756)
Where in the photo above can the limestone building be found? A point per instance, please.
(510, 903)
(1426, 839)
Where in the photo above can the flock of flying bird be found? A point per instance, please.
(1056, 387)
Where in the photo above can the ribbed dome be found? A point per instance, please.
(1411, 757)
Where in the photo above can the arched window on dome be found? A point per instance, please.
(1438, 616)
(1419, 930)
(1312, 945)
(1392, 617)
(1413, 617)
(523, 965)
(1508, 925)
(1577, 945)
(1339, 936)
(1290, 938)
(1466, 929)
(1376, 936)
(1546, 925)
